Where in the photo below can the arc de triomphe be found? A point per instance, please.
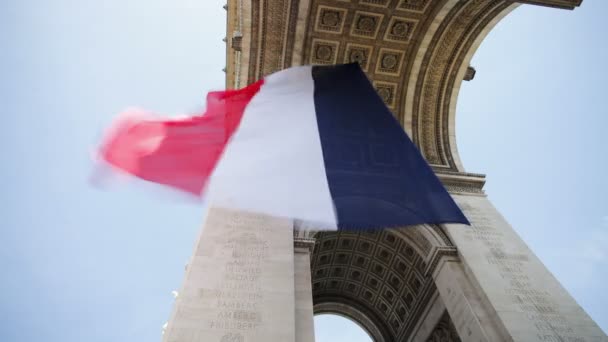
(251, 279)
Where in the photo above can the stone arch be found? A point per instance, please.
(435, 74)
(415, 52)
(351, 312)
(380, 279)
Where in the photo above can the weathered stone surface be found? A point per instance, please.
(521, 295)
(305, 331)
(472, 316)
(444, 331)
(239, 285)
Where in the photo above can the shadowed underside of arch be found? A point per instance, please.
(382, 280)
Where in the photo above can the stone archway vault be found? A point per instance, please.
(383, 280)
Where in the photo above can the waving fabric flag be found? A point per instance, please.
(312, 143)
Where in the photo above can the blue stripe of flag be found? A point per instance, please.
(377, 177)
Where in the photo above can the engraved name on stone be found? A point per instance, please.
(231, 337)
(238, 294)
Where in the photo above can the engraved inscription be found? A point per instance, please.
(230, 288)
(238, 295)
(537, 304)
(232, 338)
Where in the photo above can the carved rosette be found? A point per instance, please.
(387, 91)
(330, 20)
(366, 24)
(399, 29)
(358, 53)
(324, 52)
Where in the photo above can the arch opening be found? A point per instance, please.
(333, 327)
(379, 279)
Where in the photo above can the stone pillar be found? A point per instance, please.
(239, 284)
(473, 319)
(428, 320)
(498, 279)
(305, 330)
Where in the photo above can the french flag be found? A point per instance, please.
(311, 143)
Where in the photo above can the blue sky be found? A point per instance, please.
(85, 264)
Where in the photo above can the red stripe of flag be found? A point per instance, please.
(180, 153)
